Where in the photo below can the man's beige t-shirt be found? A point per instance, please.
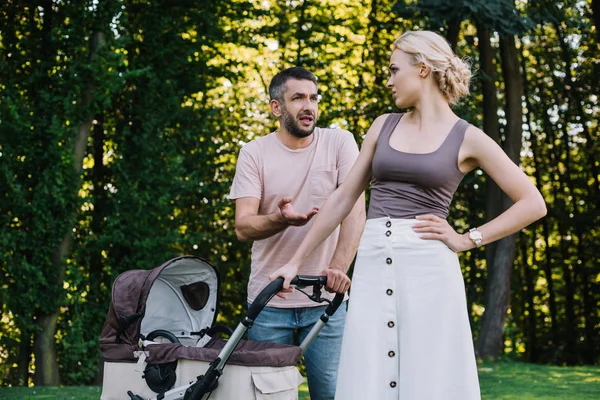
(268, 170)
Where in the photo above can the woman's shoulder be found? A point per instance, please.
(383, 117)
(475, 136)
(477, 143)
(380, 121)
(375, 129)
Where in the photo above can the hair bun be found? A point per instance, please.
(454, 83)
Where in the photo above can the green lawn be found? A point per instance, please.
(62, 393)
(499, 381)
(508, 381)
(520, 381)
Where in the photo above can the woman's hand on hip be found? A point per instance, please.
(431, 227)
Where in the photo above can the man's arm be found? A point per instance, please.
(246, 190)
(251, 226)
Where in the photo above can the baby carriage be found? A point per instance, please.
(160, 341)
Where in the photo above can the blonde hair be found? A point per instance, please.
(451, 73)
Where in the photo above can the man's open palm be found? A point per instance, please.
(291, 216)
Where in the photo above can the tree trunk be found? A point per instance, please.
(488, 84)
(588, 304)
(471, 276)
(571, 357)
(545, 229)
(301, 34)
(46, 363)
(24, 359)
(596, 17)
(97, 270)
(491, 125)
(561, 259)
(490, 342)
(572, 98)
(532, 347)
(374, 30)
(571, 91)
(453, 31)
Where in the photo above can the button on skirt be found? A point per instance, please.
(407, 333)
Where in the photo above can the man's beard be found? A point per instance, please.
(291, 125)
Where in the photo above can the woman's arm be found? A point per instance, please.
(480, 150)
(337, 206)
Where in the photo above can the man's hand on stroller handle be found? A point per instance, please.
(336, 280)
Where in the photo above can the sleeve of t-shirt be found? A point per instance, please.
(246, 182)
(347, 155)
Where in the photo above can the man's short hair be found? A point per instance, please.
(277, 85)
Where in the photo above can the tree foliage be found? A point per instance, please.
(121, 120)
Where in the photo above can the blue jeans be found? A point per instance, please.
(322, 356)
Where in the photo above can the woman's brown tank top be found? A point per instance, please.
(405, 185)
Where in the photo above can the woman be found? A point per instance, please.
(407, 333)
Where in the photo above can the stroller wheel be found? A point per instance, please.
(161, 377)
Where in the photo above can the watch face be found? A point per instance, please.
(475, 235)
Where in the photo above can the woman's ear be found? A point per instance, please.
(424, 71)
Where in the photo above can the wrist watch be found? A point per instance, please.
(475, 236)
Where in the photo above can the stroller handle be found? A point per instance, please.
(333, 306)
(264, 297)
(300, 280)
(309, 280)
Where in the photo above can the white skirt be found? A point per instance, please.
(407, 333)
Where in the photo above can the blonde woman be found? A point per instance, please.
(407, 333)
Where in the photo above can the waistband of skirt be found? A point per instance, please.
(383, 221)
(397, 230)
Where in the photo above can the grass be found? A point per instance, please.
(514, 380)
(62, 393)
(499, 381)
(520, 381)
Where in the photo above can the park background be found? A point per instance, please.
(121, 121)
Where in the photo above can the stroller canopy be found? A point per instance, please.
(181, 295)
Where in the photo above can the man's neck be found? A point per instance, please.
(293, 142)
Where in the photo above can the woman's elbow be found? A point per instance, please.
(539, 206)
(543, 210)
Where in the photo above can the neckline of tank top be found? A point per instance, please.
(301, 149)
(421, 154)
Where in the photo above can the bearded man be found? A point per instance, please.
(281, 180)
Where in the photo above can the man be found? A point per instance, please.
(281, 181)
